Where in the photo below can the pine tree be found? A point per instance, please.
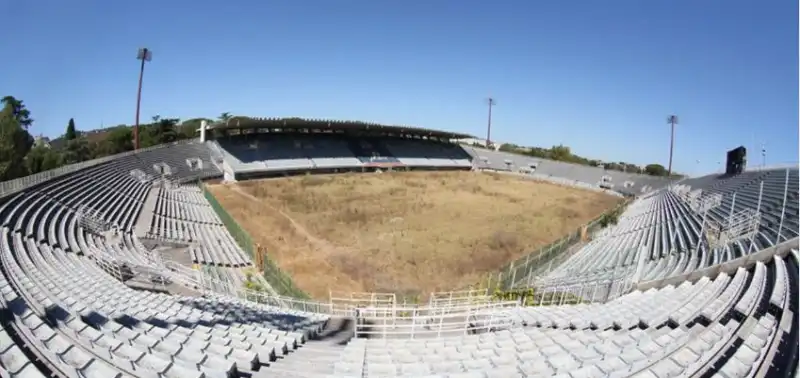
(70, 134)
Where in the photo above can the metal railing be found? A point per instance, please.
(741, 225)
(183, 275)
(124, 270)
(108, 265)
(277, 278)
(209, 286)
(458, 298)
(289, 302)
(349, 300)
(537, 262)
(599, 291)
(726, 229)
(426, 322)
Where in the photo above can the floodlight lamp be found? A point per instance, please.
(144, 54)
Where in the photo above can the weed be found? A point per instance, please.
(411, 233)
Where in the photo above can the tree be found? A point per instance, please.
(563, 153)
(34, 159)
(167, 130)
(70, 134)
(120, 139)
(41, 158)
(188, 129)
(163, 131)
(15, 141)
(76, 151)
(12, 151)
(560, 153)
(223, 132)
(52, 160)
(509, 147)
(655, 170)
(16, 109)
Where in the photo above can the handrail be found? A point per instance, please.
(411, 321)
(184, 275)
(508, 276)
(209, 284)
(287, 302)
(275, 277)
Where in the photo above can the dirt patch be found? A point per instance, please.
(408, 232)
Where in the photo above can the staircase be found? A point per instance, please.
(146, 214)
(316, 358)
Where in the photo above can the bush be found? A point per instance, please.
(610, 218)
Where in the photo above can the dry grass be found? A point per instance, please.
(409, 233)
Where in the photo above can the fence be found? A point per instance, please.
(350, 300)
(427, 322)
(552, 254)
(457, 298)
(600, 291)
(278, 279)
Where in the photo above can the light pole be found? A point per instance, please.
(145, 55)
(491, 102)
(672, 120)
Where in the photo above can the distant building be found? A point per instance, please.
(41, 141)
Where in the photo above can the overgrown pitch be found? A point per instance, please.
(408, 232)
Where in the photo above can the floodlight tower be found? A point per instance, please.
(491, 102)
(672, 120)
(145, 55)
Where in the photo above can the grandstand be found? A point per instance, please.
(272, 147)
(585, 176)
(698, 278)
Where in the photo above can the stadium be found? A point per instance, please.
(203, 258)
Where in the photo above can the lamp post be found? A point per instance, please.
(491, 102)
(145, 55)
(672, 120)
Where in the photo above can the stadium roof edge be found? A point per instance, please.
(322, 124)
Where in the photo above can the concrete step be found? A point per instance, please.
(337, 331)
(313, 359)
(142, 225)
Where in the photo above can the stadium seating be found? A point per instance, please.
(727, 325)
(566, 173)
(666, 232)
(183, 214)
(66, 311)
(63, 314)
(371, 151)
(286, 153)
(423, 153)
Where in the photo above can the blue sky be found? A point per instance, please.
(598, 76)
